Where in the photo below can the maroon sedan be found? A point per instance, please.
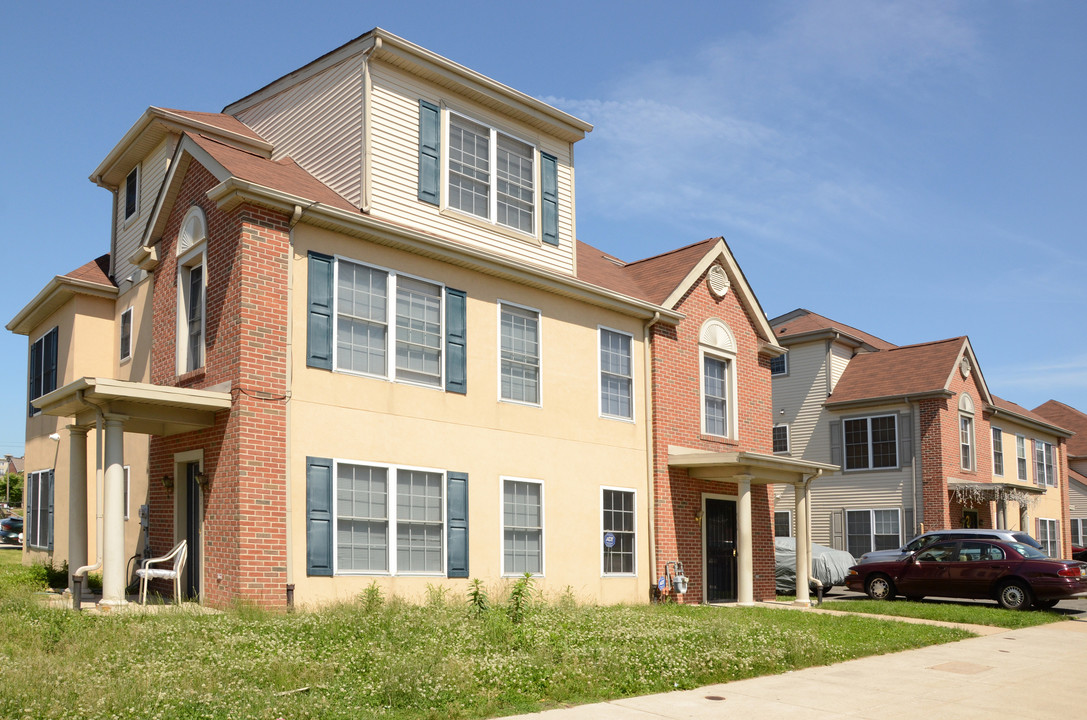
(1015, 575)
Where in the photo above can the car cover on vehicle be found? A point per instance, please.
(830, 566)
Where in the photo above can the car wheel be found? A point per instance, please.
(879, 587)
(915, 598)
(1045, 604)
(1014, 595)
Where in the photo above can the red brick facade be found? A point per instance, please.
(244, 455)
(677, 420)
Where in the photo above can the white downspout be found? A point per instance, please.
(915, 460)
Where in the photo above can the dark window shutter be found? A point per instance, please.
(456, 341)
(836, 443)
(35, 384)
(429, 152)
(905, 439)
(49, 381)
(549, 182)
(49, 520)
(318, 516)
(457, 499)
(319, 326)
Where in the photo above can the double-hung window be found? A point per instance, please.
(619, 531)
(1079, 531)
(519, 353)
(389, 520)
(364, 316)
(522, 527)
(1049, 537)
(998, 451)
(38, 531)
(491, 175)
(868, 530)
(43, 368)
(1044, 472)
(870, 442)
(715, 395)
(616, 374)
(132, 192)
(126, 334)
(781, 438)
(1021, 457)
(966, 442)
(783, 523)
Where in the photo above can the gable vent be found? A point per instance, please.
(717, 281)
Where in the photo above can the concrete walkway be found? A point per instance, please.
(1035, 672)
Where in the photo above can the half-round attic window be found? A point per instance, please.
(194, 230)
(966, 403)
(717, 335)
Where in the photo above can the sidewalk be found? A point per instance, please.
(1034, 673)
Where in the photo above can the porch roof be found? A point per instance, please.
(996, 488)
(148, 409)
(762, 469)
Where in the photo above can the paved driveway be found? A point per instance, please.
(1076, 607)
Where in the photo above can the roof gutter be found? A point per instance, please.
(886, 400)
(995, 411)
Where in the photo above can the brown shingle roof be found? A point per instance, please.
(900, 371)
(1070, 418)
(802, 321)
(284, 175)
(96, 271)
(652, 279)
(219, 120)
(1002, 404)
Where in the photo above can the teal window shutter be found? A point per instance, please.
(318, 516)
(456, 341)
(549, 182)
(457, 514)
(319, 325)
(429, 152)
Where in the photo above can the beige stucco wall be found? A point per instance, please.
(563, 443)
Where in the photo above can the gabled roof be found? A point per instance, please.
(910, 371)
(1001, 407)
(665, 279)
(1068, 417)
(803, 324)
(91, 278)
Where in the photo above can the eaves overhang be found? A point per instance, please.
(52, 297)
(885, 399)
(996, 412)
(825, 334)
(759, 468)
(142, 407)
(234, 191)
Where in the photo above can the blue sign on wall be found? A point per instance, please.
(609, 540)
(661, 583)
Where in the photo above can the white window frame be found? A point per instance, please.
(785, 361)
(125, 348)
(1049, 536)
(392, 509)
(789, 514)
(967, 442)
(600, 330)
(392, 373)
(1021, 463)
(731, 415)
(998, 450)
(1047, 465)
(127, 216)
(870, 466)
(788, 439)
(634, 545)
(1078, 529)
(502, 525)
(871, 525)
(492, 185)
(539, 353)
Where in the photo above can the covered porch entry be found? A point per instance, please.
(112, 408)
(728, 536)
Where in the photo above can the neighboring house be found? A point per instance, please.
(10, 464)
(354, 339)
(1076, 421)
(921, 441)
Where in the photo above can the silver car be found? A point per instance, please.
(926, 539)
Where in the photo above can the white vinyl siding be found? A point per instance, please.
(394, 153)
(152, 173)
(801, 394)
(839, 359)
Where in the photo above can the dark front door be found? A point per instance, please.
(720, 519)
(191, 586)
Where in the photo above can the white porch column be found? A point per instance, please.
(1024, 519)
(803, 543)
(77, 499)
(745, 565)
(113, 513)
(1002, 513)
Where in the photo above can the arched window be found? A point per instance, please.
(191, 290)
(717, 353)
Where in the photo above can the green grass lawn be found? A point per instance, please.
(389, 658)
(949, 611)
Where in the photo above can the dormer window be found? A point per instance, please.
(132, 192)
(486, 173)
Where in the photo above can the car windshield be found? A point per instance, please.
(1027, 551)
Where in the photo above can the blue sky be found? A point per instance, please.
(914, 169)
